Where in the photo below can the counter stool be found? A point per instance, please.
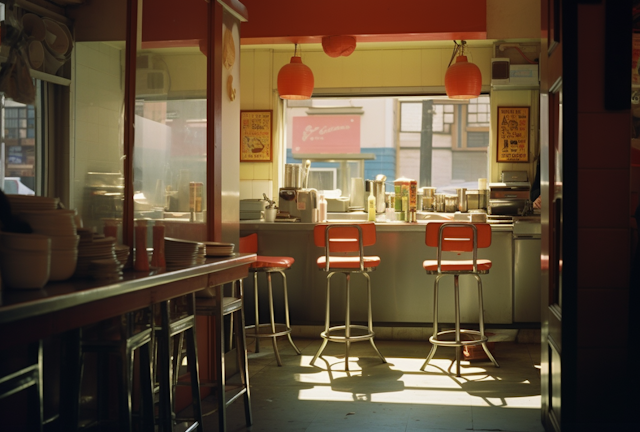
(346, 238)
(177, 324)
(26, 377)
(120, 338)
(457, 237)
(268, 265)
(226, 393)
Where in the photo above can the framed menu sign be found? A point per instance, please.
(513, 134)
(256, 136)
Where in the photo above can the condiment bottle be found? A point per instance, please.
(158, 259)
(371, 204)
(142, 259)
(322, 209)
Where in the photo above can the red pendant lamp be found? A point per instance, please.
(336, 46)
(295, 80)
(462, 80)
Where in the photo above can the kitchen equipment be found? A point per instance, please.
(508, 198)
(462, 199)
(252, 208)
(357, 193)
(288, 201)
(338, 204)
(514, 176)
(292, 176)
(305, 174)
(307, 204)
(379, 192)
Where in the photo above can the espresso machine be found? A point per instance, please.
(295, 198)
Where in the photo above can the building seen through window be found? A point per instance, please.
(435, 140)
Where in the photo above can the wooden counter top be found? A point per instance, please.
(27, 315)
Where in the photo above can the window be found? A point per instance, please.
(433, 139)
(19, 150)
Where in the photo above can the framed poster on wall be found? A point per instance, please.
(513, 134)
(256, 136)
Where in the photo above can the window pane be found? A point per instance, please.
(410, 117)
(397, 143)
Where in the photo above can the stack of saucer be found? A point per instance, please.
(22, 203)
(217, 249)
(180, 253)
(122, 253)
(106, 269)
(98, 249)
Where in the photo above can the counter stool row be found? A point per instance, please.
(343, 245)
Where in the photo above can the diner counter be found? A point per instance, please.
(28, 315)
(401, 291)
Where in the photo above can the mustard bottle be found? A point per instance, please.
(371, 204)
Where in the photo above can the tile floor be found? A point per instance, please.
(395, 396)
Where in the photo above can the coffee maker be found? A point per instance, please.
(288, 195)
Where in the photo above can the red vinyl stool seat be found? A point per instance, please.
(268, 265)
(457, 237)
(337, 241)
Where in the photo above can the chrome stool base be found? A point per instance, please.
(348, 338)
(272, 329)
(479, 336)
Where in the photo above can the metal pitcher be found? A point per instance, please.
(379, 192)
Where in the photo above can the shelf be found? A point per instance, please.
(50, 78)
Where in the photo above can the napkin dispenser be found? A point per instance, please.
(338, 204)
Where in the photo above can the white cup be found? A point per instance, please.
(270, 215)
(390, 214)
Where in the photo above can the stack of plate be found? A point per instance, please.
(98, 249)
(180, 253)
(20, 203)
(201, 256)
(216, 249)
(106, 269)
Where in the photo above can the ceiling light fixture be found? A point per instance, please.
(295, 80)
(462, 80)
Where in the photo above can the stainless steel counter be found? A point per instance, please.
(402, 291)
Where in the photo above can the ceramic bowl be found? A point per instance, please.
(24, 269)
(63, 264)
(25, 242)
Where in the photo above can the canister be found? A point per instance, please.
(428, 198)
(401, 187)
(450, 203)
(413, 196)
(462, 199)
(439, 202)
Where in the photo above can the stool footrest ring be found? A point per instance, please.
(281, 330)
(353, 338)
(451, 343)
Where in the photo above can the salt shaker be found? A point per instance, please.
(158, 259)
(142, 259)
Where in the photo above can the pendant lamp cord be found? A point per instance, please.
(458, 50)
(295, 50)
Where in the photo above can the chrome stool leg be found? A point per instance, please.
(256, 311)
(456, 299)
(370, 319)
(434, 347)
(325, 333)
(347, 324)
(286, 312)
(272, 321)
(481, 321)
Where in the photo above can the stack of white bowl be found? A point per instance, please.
(60, 226)
(24, 260)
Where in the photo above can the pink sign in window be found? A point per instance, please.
(326, 134)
